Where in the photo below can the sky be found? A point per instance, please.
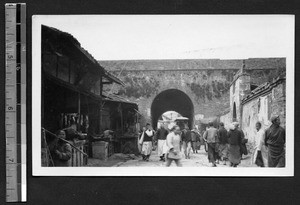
(128, 37)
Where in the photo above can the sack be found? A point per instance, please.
(206, 147)
(244, 141)
(173, 155)
(142, 138)
(243, 149)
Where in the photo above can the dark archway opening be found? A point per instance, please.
(234, 113)
(175, 100)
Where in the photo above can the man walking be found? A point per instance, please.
(195, 136)
(260, 155)
(275, 141)
(186, 141)
(173, 144)
(243, 148)
(223, 143)
(210, 136)
(161, 136)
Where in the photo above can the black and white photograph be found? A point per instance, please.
(163, 95)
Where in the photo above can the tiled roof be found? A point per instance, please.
(262, 89)
(68, 37)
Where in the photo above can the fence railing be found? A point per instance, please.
(78, 158)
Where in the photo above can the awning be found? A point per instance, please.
(116, 98)
(181, 118)
(110, 77)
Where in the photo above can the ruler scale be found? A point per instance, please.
(15, 96)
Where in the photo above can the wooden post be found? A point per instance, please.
(69, 69)
(122, 123)
(79, 111)
(43, 98)
(100, 103)
(56, 69)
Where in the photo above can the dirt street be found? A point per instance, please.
(197, 160)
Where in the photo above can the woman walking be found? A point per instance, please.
(173, 143)
(146, 141)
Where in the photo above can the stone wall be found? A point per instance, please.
(262, 108)
(256, 110)
(226, 119)
(278, 106)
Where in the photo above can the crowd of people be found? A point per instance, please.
(223, 145)
(173, 144)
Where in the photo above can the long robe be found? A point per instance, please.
(234, 153)
(162, 147)
(173, 141)
(146, 148)
(161, 135)
(275, 141)
(260, 146)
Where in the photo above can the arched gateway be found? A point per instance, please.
(172, 99)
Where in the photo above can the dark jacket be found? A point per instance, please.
(275, 136)
(186, 135)
(211, 135)
(234, 137)
(223, 136)
(243, 143)
(61, 154)
(162, 133)
(148, 138)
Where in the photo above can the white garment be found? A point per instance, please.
(146, 148)
(162, 147)
(173, 141)
(149, 133)
(260, 146)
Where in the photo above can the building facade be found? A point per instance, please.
(251, 103)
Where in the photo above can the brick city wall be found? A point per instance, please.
(206, 89)
(206, 82)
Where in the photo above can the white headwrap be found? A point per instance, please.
(149, 133)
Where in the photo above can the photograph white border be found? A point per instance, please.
(38, 170)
